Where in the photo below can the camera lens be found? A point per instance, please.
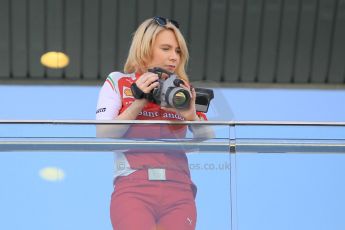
(178, 98)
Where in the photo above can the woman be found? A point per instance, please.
(152, 189)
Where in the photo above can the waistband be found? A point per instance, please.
(149, 174)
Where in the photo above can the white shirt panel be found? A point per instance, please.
(109, 99)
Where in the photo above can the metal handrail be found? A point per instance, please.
(232, 145)
(239, 145)
(231, 123)
(109, 144)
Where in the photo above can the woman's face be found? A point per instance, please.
(166, 52)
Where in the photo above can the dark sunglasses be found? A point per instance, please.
(162, 22)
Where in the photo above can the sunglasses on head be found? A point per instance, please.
(161, 21)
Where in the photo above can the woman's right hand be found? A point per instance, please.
(147, 82)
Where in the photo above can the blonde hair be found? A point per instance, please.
(140, 52)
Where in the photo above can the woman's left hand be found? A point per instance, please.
(189, 114)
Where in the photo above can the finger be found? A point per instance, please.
(148, 80)
(151, 79)
(151, 87)
(144, 87)
(185, 83)
(189, 91)
(145, 81)
(186, 87)
(164, 76)
(193, 94)
(145, 77)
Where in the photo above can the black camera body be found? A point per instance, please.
(203, 99)
(169, 93)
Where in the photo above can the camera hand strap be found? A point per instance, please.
(137, 93)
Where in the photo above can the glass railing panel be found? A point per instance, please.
(55, 190)
(211, 172)
(281, 177)
(290, 177)
(59, 176)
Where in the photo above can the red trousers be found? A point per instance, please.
(140, 204)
